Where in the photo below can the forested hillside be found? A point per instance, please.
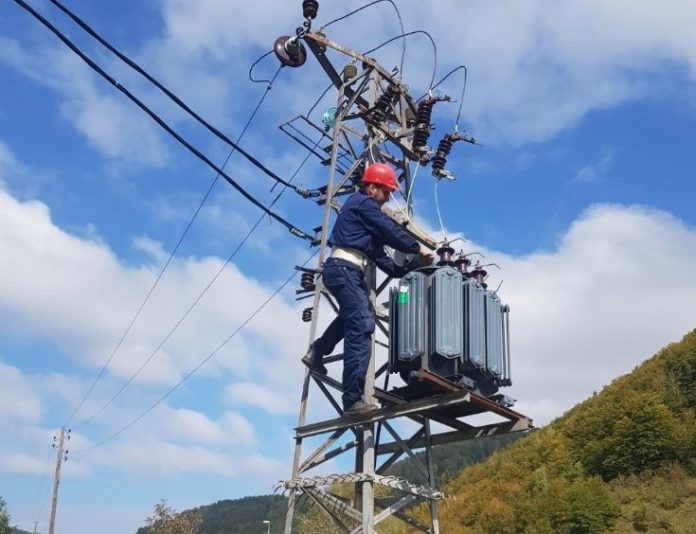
(240, 516)
(623, 461)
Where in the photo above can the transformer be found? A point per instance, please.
(448, 323)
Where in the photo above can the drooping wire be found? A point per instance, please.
(466, 74)
(200, 364)
(413, 182)
(437, 208)
(415, 32)
(132, 64)
(254, 64)
(292, 228)
(171, 257)
(398, 14)
(316, 102)
(461, 99)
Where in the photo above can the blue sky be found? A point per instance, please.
(582, 192)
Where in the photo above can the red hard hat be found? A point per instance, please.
(381, 174)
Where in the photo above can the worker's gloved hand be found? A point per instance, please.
(426, 255)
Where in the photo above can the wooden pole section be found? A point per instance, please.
(56, 480)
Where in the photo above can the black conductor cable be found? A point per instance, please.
(292, 228)
(132, 64)
(461, 98)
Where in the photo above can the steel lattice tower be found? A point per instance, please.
(374, 120)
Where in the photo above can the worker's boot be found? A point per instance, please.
(313, 361)
(359, 407)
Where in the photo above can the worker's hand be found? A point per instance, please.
(426, 255)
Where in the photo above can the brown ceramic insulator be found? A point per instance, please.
(445, 252)
(462, 264)
(310, 9)
(307, 315)
(290, 53)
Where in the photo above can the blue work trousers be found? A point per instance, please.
(354, 324)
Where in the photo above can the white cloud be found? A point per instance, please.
(618, 287)
(8, 163)
(231, 429)
(265, 397)
(596, 171)
(77, 294)
(18, 400)
(109, 122)
(559, 61)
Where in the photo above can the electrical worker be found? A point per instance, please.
(359, 235)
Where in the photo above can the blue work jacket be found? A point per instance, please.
(361, 225)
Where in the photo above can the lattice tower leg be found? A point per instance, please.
(326, 221)
(434, 518)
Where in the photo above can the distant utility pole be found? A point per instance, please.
(36, 524)
(62, 455)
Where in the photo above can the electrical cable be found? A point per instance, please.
(322, 95)
(432, 42)
(437, 207)
(398, 14)
(466, 74)
(461, 99)
(132, 64)
(293, 229)
(197, 300)
(201, 363)
(413, 181)
(169, 260)
(254, 64)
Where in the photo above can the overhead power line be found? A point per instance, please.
(132, 64)
(292, 228)
(169, 260)
(200, 364)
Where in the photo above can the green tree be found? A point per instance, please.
(4, 518)
(166, 520)
(584, 507)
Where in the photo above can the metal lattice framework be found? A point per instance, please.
(374, 121)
